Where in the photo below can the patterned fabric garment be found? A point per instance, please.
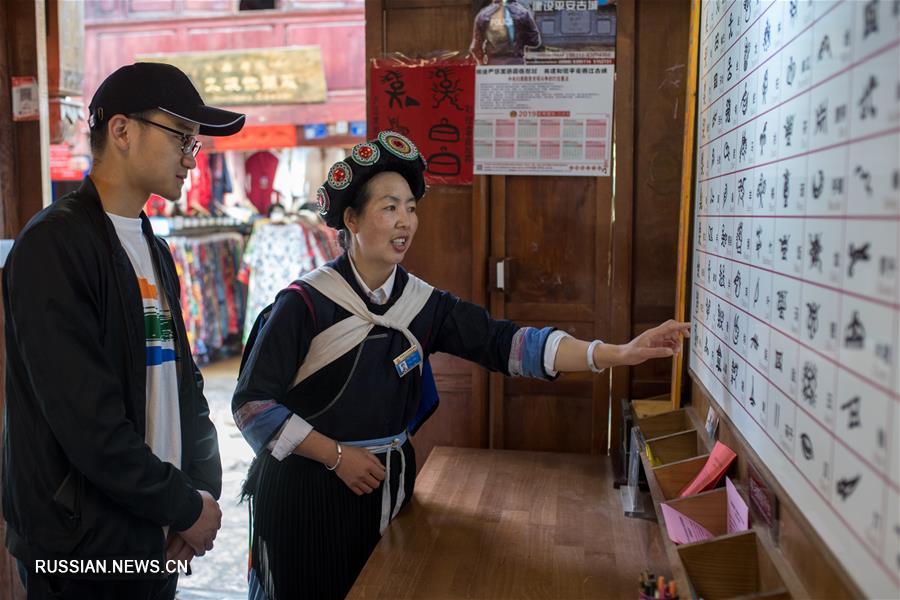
(276, 255)
(212, 300)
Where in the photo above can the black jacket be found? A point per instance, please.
(78, 479)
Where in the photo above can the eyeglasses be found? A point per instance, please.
(189, 143)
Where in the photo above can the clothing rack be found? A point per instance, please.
(213, 301)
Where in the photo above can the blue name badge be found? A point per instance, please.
(407, 361)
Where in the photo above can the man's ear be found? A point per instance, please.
(120, 132)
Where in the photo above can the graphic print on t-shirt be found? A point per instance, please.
(158, 326)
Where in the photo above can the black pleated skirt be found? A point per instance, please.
(311, 535)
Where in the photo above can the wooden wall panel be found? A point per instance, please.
(136, 7)
(662, 42)
(622, 233)
(549, 224)
(651, 53)
(415, 28)
(200, 38)
(441, 252)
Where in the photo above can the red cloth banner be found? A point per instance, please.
(431, 101)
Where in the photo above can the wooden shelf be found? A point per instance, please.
(732, 566)
(666, 423)
(672, 478)
(740, 565)
(676, 447)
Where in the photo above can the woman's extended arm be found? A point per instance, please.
(660, 342)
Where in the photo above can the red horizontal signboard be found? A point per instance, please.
(256, 137)
(431, 101)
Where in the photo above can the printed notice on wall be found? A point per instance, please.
(543, 119)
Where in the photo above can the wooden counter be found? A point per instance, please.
(503, 524)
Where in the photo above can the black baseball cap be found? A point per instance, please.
(145, 86)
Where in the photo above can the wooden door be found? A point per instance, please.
(553, 234)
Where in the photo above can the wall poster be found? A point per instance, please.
(795, 297)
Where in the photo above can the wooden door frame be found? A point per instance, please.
(622, 221)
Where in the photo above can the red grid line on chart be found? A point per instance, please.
(775, 53)
(714, 27)
(878, 559)
(884, 478)
(850, 142)
(892, 408)
(868, 57)
(882, 302)
(809, 217)
(740, 37)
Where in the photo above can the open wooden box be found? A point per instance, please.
(709, 509)
(735, 565)
(676, 447)
(671, 478)
(731, 565)
(665, 424)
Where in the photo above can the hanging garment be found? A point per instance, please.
(260, 169)
(221, 181)
(200, 193)
(276, 255)
(212, 300)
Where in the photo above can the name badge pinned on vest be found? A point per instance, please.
(407, 361)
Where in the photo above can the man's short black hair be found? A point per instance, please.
(100, 134)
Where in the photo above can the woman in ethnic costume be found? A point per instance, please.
(335, 377)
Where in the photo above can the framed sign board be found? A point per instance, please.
(794, 251)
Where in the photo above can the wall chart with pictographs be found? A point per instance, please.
(796, 249)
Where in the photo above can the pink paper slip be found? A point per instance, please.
(738, 513)
(712, 471)
(681, 529)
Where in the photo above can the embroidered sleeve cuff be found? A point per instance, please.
(259, 421)
(294, 432)
(526, 356)
(550, 350)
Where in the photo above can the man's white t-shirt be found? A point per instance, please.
(163, 433)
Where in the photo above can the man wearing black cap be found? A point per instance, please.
(110, 457)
